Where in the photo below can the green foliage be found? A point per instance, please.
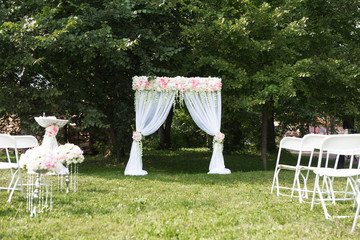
(77, 59)
(297, 57)
(185, 133)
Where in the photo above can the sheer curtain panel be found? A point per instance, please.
(152, 108)
(205, 109)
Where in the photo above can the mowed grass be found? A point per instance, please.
(177, 200)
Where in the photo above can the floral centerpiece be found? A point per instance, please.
(69, 154)
(40, 160)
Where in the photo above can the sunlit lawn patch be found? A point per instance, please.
(177, 200)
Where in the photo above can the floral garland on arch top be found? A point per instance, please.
(202, 85)
(181, 84)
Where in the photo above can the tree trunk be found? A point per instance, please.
(23, 78)
(165, 130)
(332, 125)
(264, 135)
(271, 144)
(116, 149)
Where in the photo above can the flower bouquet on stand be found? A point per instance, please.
(38, 162)
(70, 155)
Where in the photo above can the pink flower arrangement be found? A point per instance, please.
(137, 136)
(219, 137)
(52, 129)
(40, 160)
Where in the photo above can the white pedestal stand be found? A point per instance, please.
(52, 125)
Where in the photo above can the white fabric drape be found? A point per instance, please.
(151, 108)
(205, 109)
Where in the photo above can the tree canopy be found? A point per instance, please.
(289, 61)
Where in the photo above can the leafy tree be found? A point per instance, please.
(277, 59)
(290, 61)
(77, 58)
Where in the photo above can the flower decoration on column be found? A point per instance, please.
(219, 138)
(52, 130)
(50, 135)
(137, 138)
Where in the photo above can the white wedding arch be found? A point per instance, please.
(153, 100)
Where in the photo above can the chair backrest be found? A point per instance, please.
(290, 143)
(348, 144)
(26, 141)
(7, 141)
(312, 141)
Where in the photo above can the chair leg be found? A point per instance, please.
(276, 173)
(305, 184)
(274, 179)
(307, 174)
(327, 216)
(306, 195)
(330, 189)
(21, 184)
(352, 183)
(356, 215)
(15, 185)
(12, 190)
(12, 179)
(294, 183)
(314, 192)
(297, 182)
(277, 183)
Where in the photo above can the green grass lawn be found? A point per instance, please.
(177, 200)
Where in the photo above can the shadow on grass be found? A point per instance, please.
(176, 166)
(190, 161)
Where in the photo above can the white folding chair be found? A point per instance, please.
(338, 145)
(287, 143)
(308, 143)
(8, 142)
(22, 142)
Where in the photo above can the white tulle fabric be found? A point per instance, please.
(205, 109)
(151, 108)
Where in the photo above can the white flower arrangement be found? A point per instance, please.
(40, 160)
(69, 153)
(181, 84)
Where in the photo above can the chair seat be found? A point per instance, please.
(287, 167)
(337, 172)
(307, 168)
(6, 165)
